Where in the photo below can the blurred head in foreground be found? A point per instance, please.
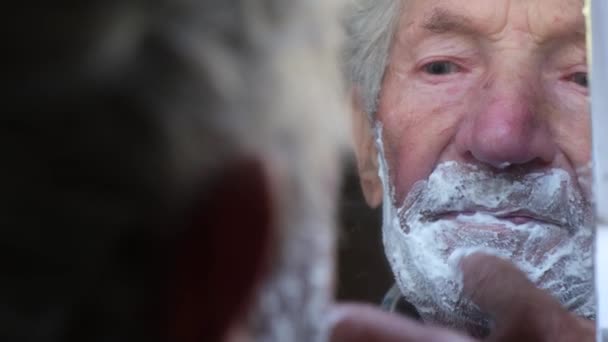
(169, 170)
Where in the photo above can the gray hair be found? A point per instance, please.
(370, 26)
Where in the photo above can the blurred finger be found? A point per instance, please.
(500, 289)
(521, 311)
(354, 323)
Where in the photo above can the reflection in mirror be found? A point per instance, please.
(596, 12)
(472, 134)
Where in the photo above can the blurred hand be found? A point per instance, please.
(521, 311)
(365, 323)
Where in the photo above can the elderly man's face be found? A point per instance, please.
(484, 137)
(496, 83)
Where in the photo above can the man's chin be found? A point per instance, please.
(545, 252)
(539, 221)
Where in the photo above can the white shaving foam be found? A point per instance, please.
(428, 233)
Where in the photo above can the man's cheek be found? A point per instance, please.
(403, 154)
(413, 159)
(575, 143)
(419, 151)
(417, 127)
(412, 166)
(571, 129)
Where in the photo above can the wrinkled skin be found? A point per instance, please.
(500, 84)
(510, 88)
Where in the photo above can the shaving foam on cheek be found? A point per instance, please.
(424, 246)
(419, 252)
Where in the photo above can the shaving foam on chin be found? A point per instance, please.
(424, 250)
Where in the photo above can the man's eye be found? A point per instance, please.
(441, 68)
(580, 78)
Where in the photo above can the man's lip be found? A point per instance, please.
(518, 216)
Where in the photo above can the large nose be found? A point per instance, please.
(507, 128)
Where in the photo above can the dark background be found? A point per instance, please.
(363, 272)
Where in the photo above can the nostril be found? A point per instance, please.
(469, 158)
(536, 164)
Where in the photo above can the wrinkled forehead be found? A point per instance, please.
(545, 20)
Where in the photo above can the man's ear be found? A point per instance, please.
(366, 152)
(223, 254)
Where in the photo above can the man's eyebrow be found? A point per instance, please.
(443, 21)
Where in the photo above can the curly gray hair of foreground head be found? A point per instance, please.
(370, 26)
(115, 111)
